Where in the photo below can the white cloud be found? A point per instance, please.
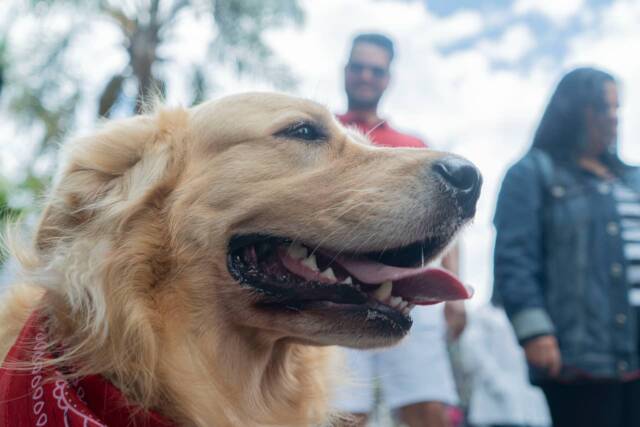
(512, 45)
(461, 25)
(622, 16)
(558, 12)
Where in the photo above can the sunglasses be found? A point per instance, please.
(357, 68)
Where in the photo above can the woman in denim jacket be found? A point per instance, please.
(567, 257)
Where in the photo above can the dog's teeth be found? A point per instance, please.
(395, 301)
(384, 291)
(297, 251)
(406, 311)
(328, 273)
(403, 304)
(347, 281)
(311, 263)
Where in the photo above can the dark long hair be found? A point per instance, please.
(562, 129)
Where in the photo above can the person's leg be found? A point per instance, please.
(557, 403)
(354, 396)
(631, 404)
(424, 414)
(416, 376)
(585, 405)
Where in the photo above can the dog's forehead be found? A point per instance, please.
(263, 105)
(252, 115)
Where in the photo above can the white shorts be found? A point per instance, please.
(416, 370)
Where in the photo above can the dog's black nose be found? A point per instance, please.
(462, 178)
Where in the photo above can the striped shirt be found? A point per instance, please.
(628, 206)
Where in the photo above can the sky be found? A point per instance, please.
(470, 76)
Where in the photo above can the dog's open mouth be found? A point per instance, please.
(296, 276)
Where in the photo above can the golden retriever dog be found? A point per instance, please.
(203, 261)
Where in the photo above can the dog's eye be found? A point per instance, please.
(305, 131)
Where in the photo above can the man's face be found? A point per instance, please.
(366, 75)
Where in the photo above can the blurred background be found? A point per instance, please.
(471, 76)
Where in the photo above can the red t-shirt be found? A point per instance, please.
(381, 134)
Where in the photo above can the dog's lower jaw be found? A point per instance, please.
(263, 384)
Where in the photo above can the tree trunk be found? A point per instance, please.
(142, 52)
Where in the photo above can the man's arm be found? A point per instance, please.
(451, 260)
(454, 311)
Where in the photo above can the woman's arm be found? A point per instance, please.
(518, 255)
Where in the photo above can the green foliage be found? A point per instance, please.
(7, 213)
(240, 37)
(2, 65)
(5, 210)
(47, 86)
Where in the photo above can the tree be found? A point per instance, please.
(2, 48)
(7, 213)
(46, 78)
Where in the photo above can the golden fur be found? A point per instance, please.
(130, 257)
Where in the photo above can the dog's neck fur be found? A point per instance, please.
(245, 382)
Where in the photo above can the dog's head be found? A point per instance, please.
(260, 211)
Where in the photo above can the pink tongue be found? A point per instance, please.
(426, 285)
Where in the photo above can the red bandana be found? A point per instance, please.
(40, 397)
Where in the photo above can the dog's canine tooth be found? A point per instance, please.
(311, 262)
(384, 291)
(395, 302)
(328, 273)
(403, 304)
(297, 251)
(347, 281)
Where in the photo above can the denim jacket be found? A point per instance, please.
(559, 266)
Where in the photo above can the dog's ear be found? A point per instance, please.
(108, 175)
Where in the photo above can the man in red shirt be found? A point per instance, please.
(366, 78)
(415, 377)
